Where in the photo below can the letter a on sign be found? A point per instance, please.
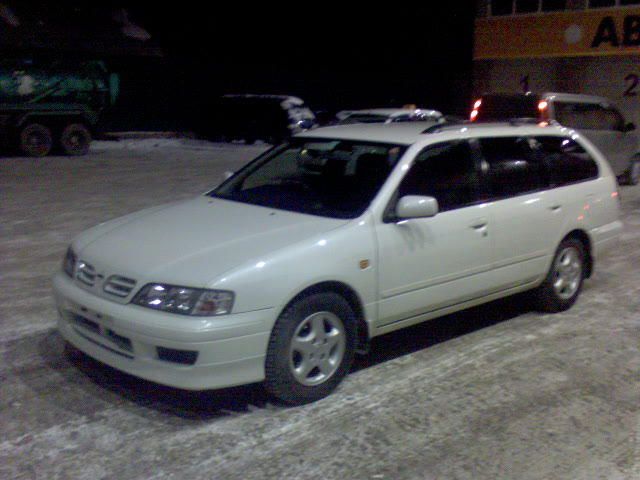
(606, 33)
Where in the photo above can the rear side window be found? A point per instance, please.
(566, 160)
(512, 166)
(588, 116)
(447, 172)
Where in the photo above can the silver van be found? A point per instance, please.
(596, 117)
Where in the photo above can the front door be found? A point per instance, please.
(428, 264)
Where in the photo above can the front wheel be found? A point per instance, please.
(311, 349)
(563, 283)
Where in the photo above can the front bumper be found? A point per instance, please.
(183, 352)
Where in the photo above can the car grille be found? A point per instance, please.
(119, 286)
(86, 273)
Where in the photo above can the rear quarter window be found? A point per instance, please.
(566, 161)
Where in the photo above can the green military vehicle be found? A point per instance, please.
(52, 106)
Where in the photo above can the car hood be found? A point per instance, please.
(195, 241)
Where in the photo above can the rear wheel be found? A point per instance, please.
(563, 283)
(75, 139)
(35, 140)
(311, 349)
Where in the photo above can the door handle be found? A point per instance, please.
(555, 208)
(479, 223)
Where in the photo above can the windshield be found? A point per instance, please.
(330, 178)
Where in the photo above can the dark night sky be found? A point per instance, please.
(332, 54)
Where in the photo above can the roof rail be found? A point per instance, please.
(515, 122)
(438, 127)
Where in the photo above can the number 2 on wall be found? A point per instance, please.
(632, 80)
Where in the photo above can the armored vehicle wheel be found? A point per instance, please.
(75, 139)
(35, 140)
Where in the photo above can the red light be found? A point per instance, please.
(474, 114)
(614, 194)
(477, 104)
(542, 106)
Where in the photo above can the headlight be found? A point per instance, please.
(69, 262)
(184, 300)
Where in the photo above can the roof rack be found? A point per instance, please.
(512, 122)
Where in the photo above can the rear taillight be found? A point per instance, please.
(616, 195)
(474, 113)
(543, 108)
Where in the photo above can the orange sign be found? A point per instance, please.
(565, 34)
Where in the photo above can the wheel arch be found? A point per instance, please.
(583, 238)
(352, 298)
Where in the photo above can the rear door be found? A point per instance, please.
(525, 216)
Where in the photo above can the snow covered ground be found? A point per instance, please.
(495, 392)
(46, 202)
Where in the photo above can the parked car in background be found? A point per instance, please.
(596, 117)
(341, 234)
(388, 115)
(269, 118)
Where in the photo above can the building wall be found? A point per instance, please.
(593, 51)
(617, 78)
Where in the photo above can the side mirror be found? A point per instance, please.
(416, 206)
(629, 127)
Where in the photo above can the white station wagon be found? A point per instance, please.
(344, 233)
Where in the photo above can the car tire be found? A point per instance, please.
(75, 139)
(633, 174)
(35, 140)
(311, 348)
(563, 283)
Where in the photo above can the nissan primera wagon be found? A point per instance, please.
(294, 263)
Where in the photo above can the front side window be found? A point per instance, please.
(511, 166)
(446, 172)
(566, 160)
(331, 178)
